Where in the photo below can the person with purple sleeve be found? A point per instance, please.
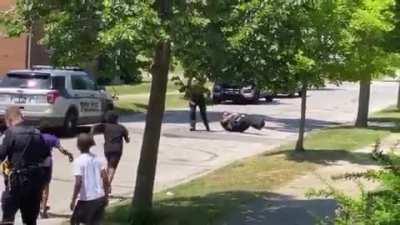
(52, 142)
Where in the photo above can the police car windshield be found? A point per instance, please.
(28, 81)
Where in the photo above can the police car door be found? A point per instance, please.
(88, 98)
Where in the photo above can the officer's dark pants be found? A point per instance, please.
(203, 112)
(256, 122)
(28, 203)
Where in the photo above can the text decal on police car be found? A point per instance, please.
(90, 106)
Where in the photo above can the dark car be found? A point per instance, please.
(285, 87)
(238, 93)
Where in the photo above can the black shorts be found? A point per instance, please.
(47, 174)
(89, 212)
(113, 159)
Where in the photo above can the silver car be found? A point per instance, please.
(55, 97)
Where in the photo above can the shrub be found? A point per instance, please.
(379, 207)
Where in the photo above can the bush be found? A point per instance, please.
(379, 207)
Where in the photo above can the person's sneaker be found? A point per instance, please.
(192, 129)
(44, 215)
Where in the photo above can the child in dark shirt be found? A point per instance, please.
(114, 135)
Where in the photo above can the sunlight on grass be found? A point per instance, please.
(207, 199)
(391, 112)
(134, 104)
(343, 138)
(142, 88)
(134, 98)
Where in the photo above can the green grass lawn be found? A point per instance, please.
(134, 89)
(343, 138)
(391, 112)
(134, 98)
(206, 199)
(134, 104)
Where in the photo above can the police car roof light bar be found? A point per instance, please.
(47, 67)
(42, 67)
(72, 68)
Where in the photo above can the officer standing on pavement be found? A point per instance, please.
(196, 94)
(24, 148)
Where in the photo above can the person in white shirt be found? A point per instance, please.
(91, 189)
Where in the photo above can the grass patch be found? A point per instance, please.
(206, 199)
(209, 198)
(343, 138)
(391, 112)
(389, 117)
(134, 89)
(134, 98)
(139, 103)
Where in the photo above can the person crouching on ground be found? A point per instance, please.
(91, 185)
(51, 142)
(237, 122)
(114, 136)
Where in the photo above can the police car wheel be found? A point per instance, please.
(70, 124)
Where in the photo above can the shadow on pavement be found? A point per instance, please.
(182, 117)
(235, 208)
(284, 212)
(60, 133)
(292, 125)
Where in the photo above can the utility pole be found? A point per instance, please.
(28, 54)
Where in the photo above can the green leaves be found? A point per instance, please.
(363, 44)
(12, 23)
(379, 207)
(267, 41)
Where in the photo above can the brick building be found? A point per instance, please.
(14, 52)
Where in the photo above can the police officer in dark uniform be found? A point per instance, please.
(197, 99)
(24, 148)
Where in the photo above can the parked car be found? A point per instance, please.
(290, 89)
(245, 92)
(51, 97)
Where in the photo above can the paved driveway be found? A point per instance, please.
(185, 155)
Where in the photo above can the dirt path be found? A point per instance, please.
(290, 206)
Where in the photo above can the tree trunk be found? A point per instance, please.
(398, 98)
(146, 172)
(143, 196)
(300, 140)
(363, 102)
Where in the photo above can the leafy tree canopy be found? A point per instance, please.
(363, 51)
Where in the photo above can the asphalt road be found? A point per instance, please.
(185, 155)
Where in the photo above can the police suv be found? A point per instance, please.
(51, 97)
